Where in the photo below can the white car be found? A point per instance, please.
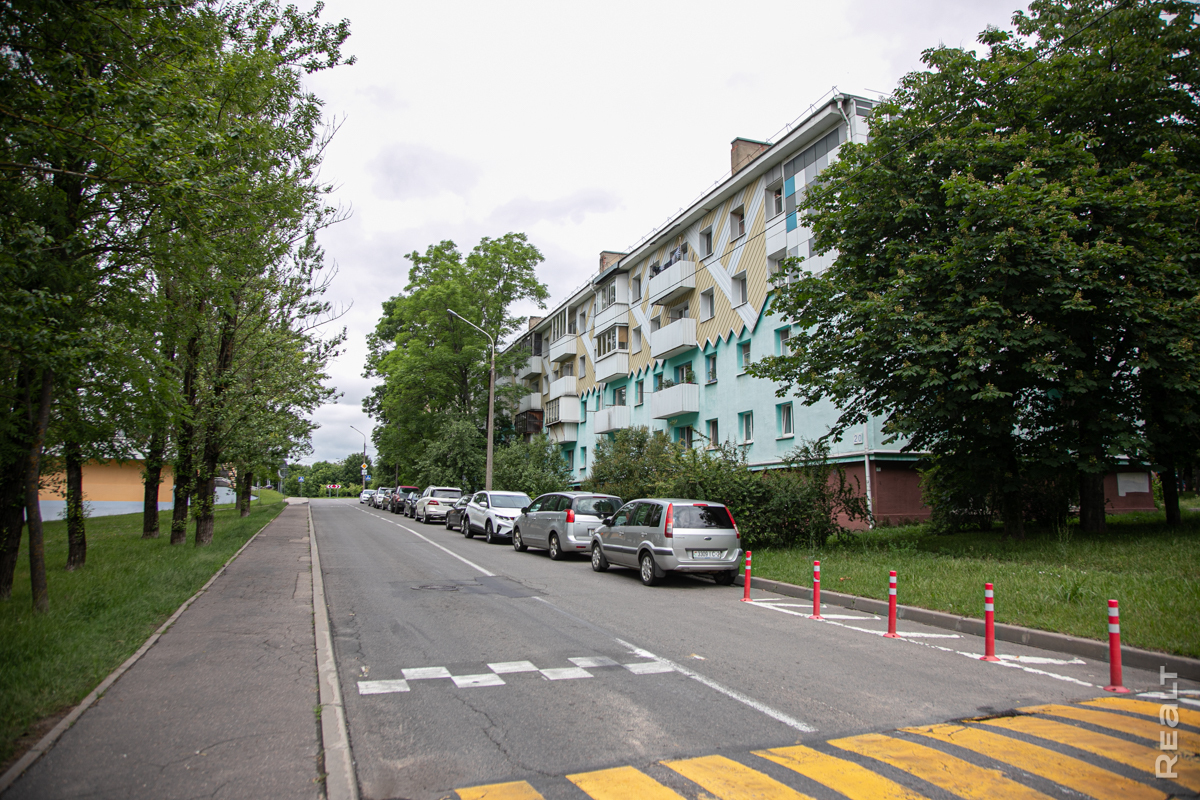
(493, 514)
(434, 502)
(366, 496)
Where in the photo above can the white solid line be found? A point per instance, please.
(648, 667)
(741, 698)
(435, 544)
(1041, 660)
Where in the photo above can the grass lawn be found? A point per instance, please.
(101, 614)
(1052, 581)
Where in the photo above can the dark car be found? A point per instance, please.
(410, 503)
(396, 501)
(455, 514)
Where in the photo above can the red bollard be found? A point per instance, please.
(816, 614)
(746, 594)
(1114, 649)
(989, 624)
(891, 634)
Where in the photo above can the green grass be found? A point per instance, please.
(103, 613)
(1057, 581)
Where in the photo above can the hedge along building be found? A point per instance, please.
(661, 335)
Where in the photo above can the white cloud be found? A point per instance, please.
(415, 171)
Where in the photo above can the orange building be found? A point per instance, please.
(109, 487)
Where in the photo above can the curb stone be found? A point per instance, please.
(1093, 649)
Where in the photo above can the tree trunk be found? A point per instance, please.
(76, 533)
(39, 418)
(245, 480)
(152, 480)
(1091, 502)
(185, 442)
(1170, 487)
(12, 524)
(204, 509)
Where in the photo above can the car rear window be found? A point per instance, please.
(597, 506)
(453, 493)
(702, 517)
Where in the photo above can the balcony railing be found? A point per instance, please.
(532, 366)
(563, 387)
(674, 401)
(617, 313)
(565, 409)
(673, 282)
(673, 339)
(529, 402)
(613, 365)
(562, 434)
(563, 348)
(613, 418)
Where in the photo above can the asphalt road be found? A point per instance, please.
(535, 670)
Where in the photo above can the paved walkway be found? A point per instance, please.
(222, 706)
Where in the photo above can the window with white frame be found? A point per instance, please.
(710, 368)
(775, 201)
(565, 369)
(552, 412)
(558, 326)
(785, 419)
(619, 396)
(785, 335)
(569, 455)
(582, 320)
(746, 426)
(737, 222)
(658, 381)
(714, 435)
(744, 355)
(639, 391)
(706, 242)
(636, 289)
(708, 305)
(679, 312)
(655, 323)
(583, 459)
(612, 340)
(684, 374)
(583, 366)
(607, 294)
(741, 289)
(635, 344)
(684, 435)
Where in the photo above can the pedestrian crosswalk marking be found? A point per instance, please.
(1133, 755)
(580, 670)
(621, 783)
(944, 771)
(1049, 764)
(1141, 728)
(730, 780)
(1186, 715)
(518, 790)
(853, 780)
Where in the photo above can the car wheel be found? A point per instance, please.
(599, 562)
(466, 528)
(556, 553)
(648, 576)
(424, 518)
(489, 535)
(725, 578)
(449, 527)
(518, 545)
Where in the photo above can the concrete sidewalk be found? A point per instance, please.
(222, 706)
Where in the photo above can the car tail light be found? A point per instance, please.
(670, 529)
(734, 521)
(432, 503)
(570, 515)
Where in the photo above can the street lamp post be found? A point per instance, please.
(364, 473)
(491, 421)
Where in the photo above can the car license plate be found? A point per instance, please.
(708, 553)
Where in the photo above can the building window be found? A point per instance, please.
(552, 415)
(570, 456)
(710, 368)
(582, 321)
(583, 366)
(775, 200)
(784, 347)
(741, 289)
(566, 369)
(640, 391)
(737, 222)
(785, 419)
(607, 295)
(746, 426)
(679, 312)
(708, 305)
(655, 323)
(706, 242)
(583, 459)
(684, 435)
(612, 340)
(658, 382)
(744, 355)
(636, 345)
(637, 289)
(558, 326)
(619, 396)
(684, 374)
(714, 436)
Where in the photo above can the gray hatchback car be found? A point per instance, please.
(660, 536)
(562, 522)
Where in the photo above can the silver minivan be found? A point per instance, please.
(660, 536)
(562, 522)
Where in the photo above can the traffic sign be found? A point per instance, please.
(368, 477)
(364, 466)
(333, 486)
(301, 479)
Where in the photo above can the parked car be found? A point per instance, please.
(380, 497)
(433, 503)
(366, 495)
(395, 502)
(493, 514)
(410, 503)
(562, 522)
(454, 514)
(660, 536)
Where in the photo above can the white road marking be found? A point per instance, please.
(565, 673)
(735, 695)
(505, 667)
(1041, 660)
(593, 661)
(425, 673)
(486, 679)
(447, 550)
(648, 667)
(382, 687)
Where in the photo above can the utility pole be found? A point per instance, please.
(491, 421)
(364, 466)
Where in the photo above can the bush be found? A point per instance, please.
(534, 467)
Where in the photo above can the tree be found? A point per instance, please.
(1014, 252)
(455, 457)
(534, 467)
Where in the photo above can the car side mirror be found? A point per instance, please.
(525, 510)
(608, 522)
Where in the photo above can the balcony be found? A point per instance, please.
(613, 418)
(565, 409)
(563, 348)
(675, 401)
(617, 313)
(529, 402)
(613, 365)
(673, 282)
(564, 433)
(676, 338)
(529, 422)
(532, 366)
(563, 387)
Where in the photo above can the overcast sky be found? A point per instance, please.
(584, 125)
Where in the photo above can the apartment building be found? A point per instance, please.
(661, 336)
